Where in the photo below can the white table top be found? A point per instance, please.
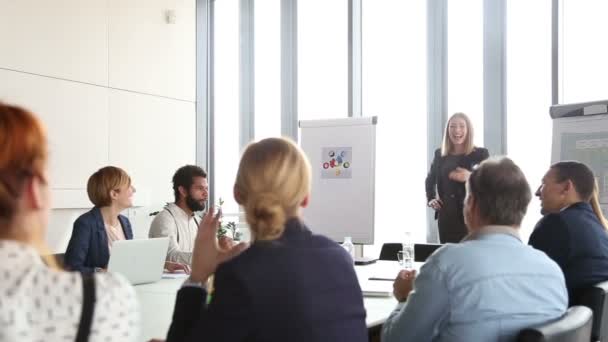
(158, 299)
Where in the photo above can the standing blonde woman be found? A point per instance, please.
(451, 168)
(290, 284)
(39, 302)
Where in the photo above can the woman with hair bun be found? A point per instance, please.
(289, 284)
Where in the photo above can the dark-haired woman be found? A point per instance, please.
(573, 231)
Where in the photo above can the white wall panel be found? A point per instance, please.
(76, 117)
(149, 55)
(109, 44)
(150, 138)
(60, 228)
(61, 38)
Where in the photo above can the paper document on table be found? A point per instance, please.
(385, 274)
(176, 275)
(386, 271)
(377, 288)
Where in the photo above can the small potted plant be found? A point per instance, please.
(227, 229)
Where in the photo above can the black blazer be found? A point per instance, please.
(301, 287)
(434, 181)
(576, 240)
(88, 246)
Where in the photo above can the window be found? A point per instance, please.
(322, 59)
(267, 32)
(394, 89)
(584, 51)
(226, 97)
(529, 127)
(465, 61)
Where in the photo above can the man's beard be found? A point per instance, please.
(194, 205)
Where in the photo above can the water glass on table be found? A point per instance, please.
(406, 259)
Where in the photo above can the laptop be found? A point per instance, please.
(140, 261)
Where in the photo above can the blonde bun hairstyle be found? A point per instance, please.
(272, 182)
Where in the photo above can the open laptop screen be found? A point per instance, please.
(140, 261)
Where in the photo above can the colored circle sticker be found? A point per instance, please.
(332, 153)
(326, 165)
(346, 165)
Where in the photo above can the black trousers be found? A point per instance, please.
(451, 221)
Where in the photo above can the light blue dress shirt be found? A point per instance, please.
(487, 288)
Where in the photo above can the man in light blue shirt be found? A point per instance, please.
(491, 285)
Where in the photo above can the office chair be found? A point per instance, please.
(595, 298)
(573, 326)
(389, 251)
(423, 251)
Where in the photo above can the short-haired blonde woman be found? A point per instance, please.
(111, 192)
(290, 284)
(451, 167)
(40, 302)
(94, 232)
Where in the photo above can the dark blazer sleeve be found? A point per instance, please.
(79, 245)
(551, 236)
(431, 177)
(126, 226)
(479, 155)
(229, 316)
(189, 304)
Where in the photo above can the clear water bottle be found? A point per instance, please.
(349, 246)
(408, 251)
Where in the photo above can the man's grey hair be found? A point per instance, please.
(500, 190)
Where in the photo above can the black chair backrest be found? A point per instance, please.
(574, 326)
(423, 251)
(389, 251)
(596, 299)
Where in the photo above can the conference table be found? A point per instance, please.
(158, 299)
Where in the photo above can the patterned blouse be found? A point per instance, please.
(41, 304)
